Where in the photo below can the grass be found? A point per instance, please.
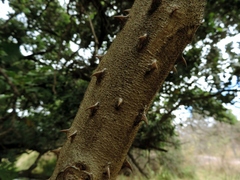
(200, 174)
(189, 164)
(203, 157)
(193, 167)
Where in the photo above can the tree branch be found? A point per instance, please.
(94, 35)
(6, 132)
(137, 165)
(190, 99)
(27, 173)
(14, 88)
(31, 56)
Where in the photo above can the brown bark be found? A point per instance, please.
(123, 86)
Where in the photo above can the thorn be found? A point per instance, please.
(144, 118)
(108, 170)
(183, 60)
(119, 102)
(127, 10)
(65, 130)
(93, 108)
(99, 57)
(99, 74)
(142, 40)
(174, 69)
(154, 5)
(126, 164)
(143, 37)
(72, 136)
(141, 117)
(56, 151)
(152, 66)
(122, 18)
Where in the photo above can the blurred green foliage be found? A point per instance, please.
(47, 55)
(7, 170)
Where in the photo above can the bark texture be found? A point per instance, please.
(123, 86)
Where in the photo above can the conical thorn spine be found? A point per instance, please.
(120, 101)
(122, 18)
(73, 134)
(184, 61)
(56, 151)
(142, 40)
(65, 130)
(144, 118)
(174, 69)
(99, 57)
(95, 106)
(127, 10)
(108, 171)
(153, 65)
(126, 164)
(98, 74)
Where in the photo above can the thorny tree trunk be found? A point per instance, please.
(123, 86)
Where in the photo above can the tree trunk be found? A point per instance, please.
(123, 86)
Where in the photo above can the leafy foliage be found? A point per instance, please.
(7, 170)
(48, 52)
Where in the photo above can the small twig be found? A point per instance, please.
(54, 83)
(39, 53)
(148, 159)
(137, 165)
(157, 148)
(9, 19)
(14, 88)
(94, 35)
(5, 132)
(34, 165)
(27, 173)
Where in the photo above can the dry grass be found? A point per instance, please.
(203, 157)
(210, 153)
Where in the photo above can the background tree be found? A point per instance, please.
(47, 55)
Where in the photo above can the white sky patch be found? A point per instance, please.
(63, 3)
(5, 10)
(181, 114)
(74, 46)
(235, 109)
(235, 40)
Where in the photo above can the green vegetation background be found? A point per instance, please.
(47, 55)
